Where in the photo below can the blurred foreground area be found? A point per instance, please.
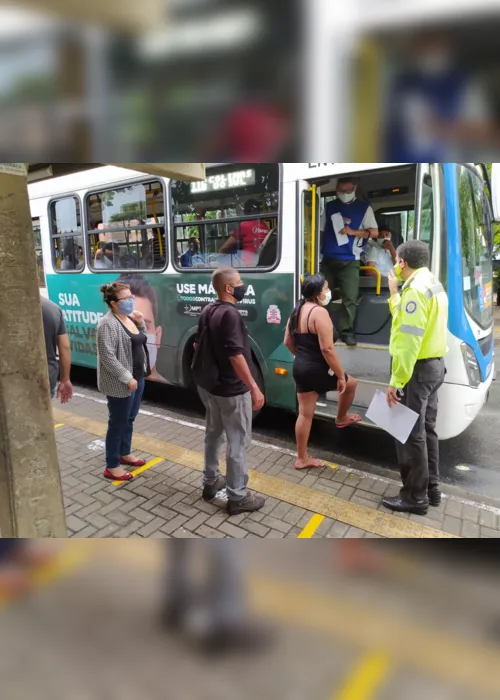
(337, 620)
(252, 80)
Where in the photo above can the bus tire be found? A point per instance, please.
(189, 382)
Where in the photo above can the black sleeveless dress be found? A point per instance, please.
(310, 369)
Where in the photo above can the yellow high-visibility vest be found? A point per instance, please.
(419, 325)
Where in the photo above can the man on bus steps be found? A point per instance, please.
(341, 261)
(418, 347)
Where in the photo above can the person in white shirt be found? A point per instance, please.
(381, 253)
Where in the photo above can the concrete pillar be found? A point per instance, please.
(31, 503)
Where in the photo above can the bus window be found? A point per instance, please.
(66, 234)
(38, 252)
(427, 210)
(229, 219)
(476, 234)
(126, 228)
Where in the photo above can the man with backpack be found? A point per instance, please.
(222, 369)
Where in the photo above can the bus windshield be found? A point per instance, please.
(476, 234)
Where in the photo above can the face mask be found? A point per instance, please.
(346, 197)
(126, 306)
(327, 299)
(152, 349)
(239, 292)
(397, 272)
(435, 63)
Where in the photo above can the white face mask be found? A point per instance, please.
(152, 349)
(436, 63)
(346, 197)
(327, 299)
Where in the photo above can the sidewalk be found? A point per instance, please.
(350, 637)
(165, 499)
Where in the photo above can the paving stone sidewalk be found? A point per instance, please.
(165, 501)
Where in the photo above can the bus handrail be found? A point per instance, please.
(378, 274)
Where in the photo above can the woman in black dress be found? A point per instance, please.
(317, 368)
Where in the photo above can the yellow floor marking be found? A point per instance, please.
(368, 519)
(65, 562)
(470, 664)
(140, 470)
(367, 679)
(311, 527)
(59, 425)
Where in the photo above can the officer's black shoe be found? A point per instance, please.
(350, 340)
(210, 492)
(399, 506)
(434, 498)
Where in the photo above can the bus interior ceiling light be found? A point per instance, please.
(223, 31)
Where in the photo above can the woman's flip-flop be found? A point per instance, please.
(125, 477)
(133, 463)
(352, 420)
(312, 464)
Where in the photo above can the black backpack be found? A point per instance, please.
(204, 366)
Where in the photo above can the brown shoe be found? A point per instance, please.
(249, 504)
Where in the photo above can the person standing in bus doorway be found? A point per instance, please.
(122, 366)
(223, 371)
(418, 347)
(341, 260)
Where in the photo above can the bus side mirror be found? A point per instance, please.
(495, 190)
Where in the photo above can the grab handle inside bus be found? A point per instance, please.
(378, 274)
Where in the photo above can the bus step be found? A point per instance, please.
(328, 412)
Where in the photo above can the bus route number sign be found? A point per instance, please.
(224, 181)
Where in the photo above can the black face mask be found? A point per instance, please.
(239, 292)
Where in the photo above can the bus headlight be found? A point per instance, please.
(471, 366)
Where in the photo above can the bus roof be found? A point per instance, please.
(84, 180)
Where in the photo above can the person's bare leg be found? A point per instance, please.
(345, 403)
(307, 406)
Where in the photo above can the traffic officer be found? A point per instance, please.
(418, 347)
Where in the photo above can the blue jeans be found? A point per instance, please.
(122, 414)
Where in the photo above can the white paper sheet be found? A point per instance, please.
(338, 225)
(398, 421)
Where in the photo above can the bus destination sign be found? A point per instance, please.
(224, 181)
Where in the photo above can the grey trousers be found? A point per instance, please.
(419, 458)
(221, 590)
(232, 416)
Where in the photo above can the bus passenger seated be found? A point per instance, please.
(381, 253)
(105, 258)
(192, 257)
(248, 237)
(146, 261)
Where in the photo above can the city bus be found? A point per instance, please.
(166, 237)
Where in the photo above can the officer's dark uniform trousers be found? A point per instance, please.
(419, 458)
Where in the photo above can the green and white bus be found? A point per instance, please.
(166, 237)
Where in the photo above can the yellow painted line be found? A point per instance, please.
(59, 425)
(471, 664)
(311, 527)
(140, 470)
(368, 519)
(70, 559)
(367, 679)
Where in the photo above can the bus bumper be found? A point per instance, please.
(459, 406)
